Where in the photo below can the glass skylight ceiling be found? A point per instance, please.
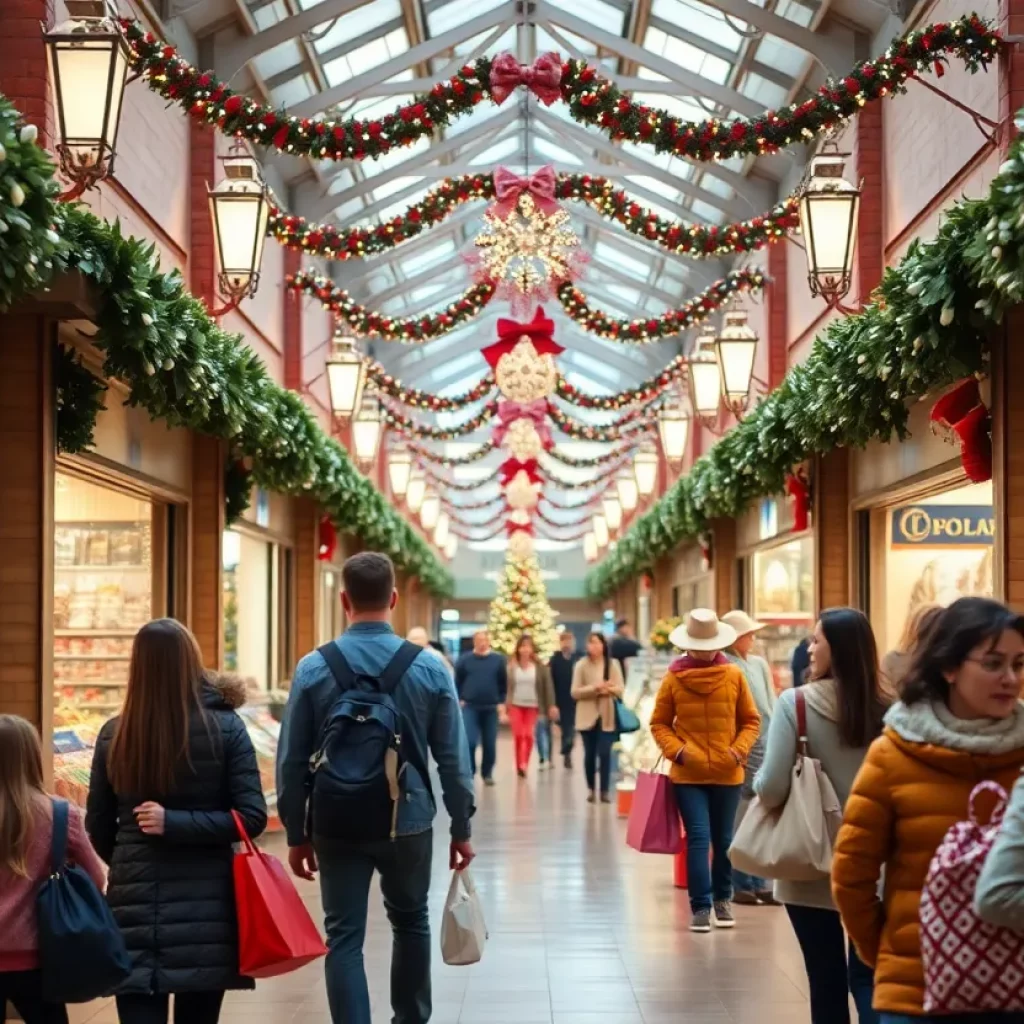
(627, 275)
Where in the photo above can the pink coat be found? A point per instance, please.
(19, 941)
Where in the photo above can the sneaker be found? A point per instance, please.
(521, 773)
(746, 899)
(723, 915)
(606, 798)
(567, 761)
(591, 799)
(767, 897)
(701, 921)
(489, 781)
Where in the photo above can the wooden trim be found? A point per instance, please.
(921, 485)
(262, 533)
(100, 470)
(775, 541)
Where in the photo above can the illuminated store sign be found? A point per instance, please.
(940, 526)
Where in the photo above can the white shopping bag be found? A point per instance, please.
(463, 930)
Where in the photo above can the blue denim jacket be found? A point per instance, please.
(425, 696)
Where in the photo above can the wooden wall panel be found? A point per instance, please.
(307, 576)
(723, 567)
(832, 548)
(207, 570)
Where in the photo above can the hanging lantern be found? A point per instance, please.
(645, 466)
(430, 510)
(240, 207)
(705, 377)
(601, 534)
(674, 427)
(829, 208)
(366, 430)
(590, 547)
(627, 490)
(442, 530)
(612, 513)
(416, 491)
(736, 345)
(451, 546)
(399, 471)
(88, 58)
(346, 375)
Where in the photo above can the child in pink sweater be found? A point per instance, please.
(26, 828)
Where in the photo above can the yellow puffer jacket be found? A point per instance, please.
(708, 716)
(914, 784)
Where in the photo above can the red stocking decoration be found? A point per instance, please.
(974, 432)
(705, 551)
(328, 540)
(954, 405)
(797, 488)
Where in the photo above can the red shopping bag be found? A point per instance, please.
(275, 932)
(654, 817)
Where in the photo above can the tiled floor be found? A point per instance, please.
(582, 931)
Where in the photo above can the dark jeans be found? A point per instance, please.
(481, 730)
(189, 1008)
(346, 870)
(542, 736)
(597, 747)
(709, 813)
(567, 725)
(831, 971)
(25, 990)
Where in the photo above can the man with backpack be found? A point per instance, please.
(354, 791)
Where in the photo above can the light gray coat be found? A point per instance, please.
(999, 896)
(840, 763)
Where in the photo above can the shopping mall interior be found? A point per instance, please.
(580, 312)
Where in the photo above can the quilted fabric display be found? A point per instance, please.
(969, 966)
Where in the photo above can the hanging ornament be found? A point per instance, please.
(519, 517)
(523, 358)
(527, 246)
(522, 428)
(799, 489)
(520, 544)
(523, 440)
(520, 492)
(974, 432)
(705, 541)
(328, 545)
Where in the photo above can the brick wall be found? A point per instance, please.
(207, 593)
(832, 549)
(202, 257)
(307, 576)
(870, 252)
(23, 72)
(293, 349)
(778, 312)
(723, 564)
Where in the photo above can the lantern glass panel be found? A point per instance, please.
(345, 375)
(736, 359)
(674, 426)
(399, 470)
(629, 493)
(601, 530)
(365, 438)
(430, 511)
(705, 386)
(590, 547)
(612, 513)
(240, 222)
(646, 468)
(441, 530)
(451, 546)
(416, 493)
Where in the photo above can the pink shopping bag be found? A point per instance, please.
(654, 818)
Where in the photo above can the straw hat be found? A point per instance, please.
(702, 631)
(742, 622)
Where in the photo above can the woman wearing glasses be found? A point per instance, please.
(959, 722)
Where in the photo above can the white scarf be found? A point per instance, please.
(932, 722)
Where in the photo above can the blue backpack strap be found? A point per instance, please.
(59, 839)
(399, 664)
(340, 668)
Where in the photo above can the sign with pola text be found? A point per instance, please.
(943, 526)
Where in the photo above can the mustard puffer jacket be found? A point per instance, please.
(913, 786)
(708, 716)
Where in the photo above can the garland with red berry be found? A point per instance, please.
(636, 421)
(645, 392)
(474, 506)
(599, 460)
(413, 428)
(416, 329)
(388, 385)
(651, 329)
(592, 99)
(443, 484)
(608, 474)
(455, 531)
(697, 240)
(563, 526)
(456, 520)
(590, 502)
(450, 461)
(595, 100)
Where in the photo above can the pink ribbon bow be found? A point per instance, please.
(543, 77)
(536, 411)
(508, 187)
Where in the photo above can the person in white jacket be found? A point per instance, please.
(999, 896)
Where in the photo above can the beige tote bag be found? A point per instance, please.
(463, 930)
(792, 843)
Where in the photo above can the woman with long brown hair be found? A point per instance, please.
(530, 695)
(596, 685)
(166, 776)
(26, 833)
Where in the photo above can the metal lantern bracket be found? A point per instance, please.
(981, 122)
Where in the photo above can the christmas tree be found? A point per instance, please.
(521, 606)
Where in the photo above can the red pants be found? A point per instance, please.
(523, 722)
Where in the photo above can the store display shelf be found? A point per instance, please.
(97, 632)
(111, 706)
(91, 657)
(129, 567)
(86, 684)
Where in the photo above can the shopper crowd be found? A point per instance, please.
(896, 752)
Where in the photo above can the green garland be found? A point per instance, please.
(181, 367)
(79, 400)
(925, 329)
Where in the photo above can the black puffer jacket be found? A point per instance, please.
(173, 894)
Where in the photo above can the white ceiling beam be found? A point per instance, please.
(499, 17)
(238, 54)
(549, 16)
(421, 277)
(642, 285)
(319, 208)
(833, 50)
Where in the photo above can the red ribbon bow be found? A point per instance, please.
(509, 412)
(512, 527)
(510, 332)
(508, 187)
(510, 467)
(543, 77)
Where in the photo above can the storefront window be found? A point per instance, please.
(690, 595)
(938, 549)
(103, 593)
(250, 608)
(783, 599)
(330, 605)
